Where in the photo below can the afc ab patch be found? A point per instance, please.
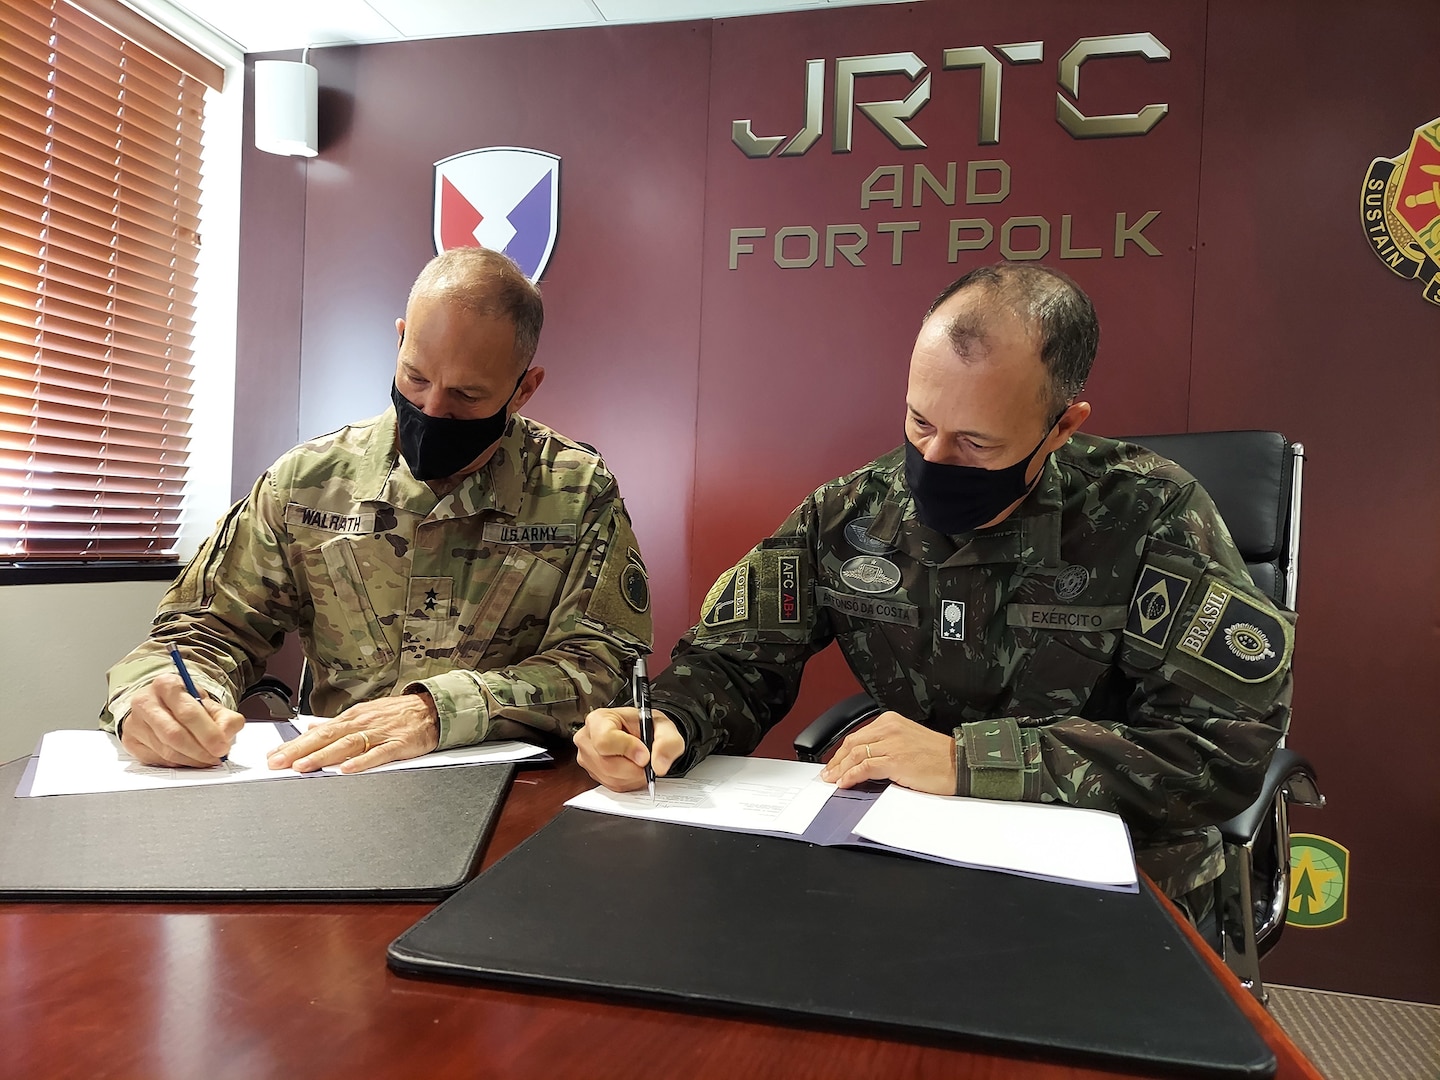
(788, 582)
(1158, 598)
(1238, 637)
(729, 599)
(1319, 881)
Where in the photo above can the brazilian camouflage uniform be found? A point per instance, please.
(1103, 646)
(518, 600)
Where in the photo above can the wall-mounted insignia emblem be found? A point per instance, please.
(858, 533)
(1319, 881)
(870, 574)
(504, 198)
(1071, 582)
(1400, 210)
(952, 620)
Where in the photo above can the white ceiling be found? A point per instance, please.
(270, 25)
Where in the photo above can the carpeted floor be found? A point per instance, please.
(1360, 1038)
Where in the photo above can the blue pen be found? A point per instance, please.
(184, 672)
(189, 682)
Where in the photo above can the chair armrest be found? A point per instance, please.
(275, 693)
(833, 725)
(1286, 768)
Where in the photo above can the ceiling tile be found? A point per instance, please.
(264, 25)
(663, 10)
(443, 18)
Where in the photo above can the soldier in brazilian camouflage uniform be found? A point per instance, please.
(1074, 626)
(502, 595)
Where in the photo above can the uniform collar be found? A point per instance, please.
(1028, 537)
(499, 486)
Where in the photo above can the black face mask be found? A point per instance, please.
(954, 499)
(438, 446)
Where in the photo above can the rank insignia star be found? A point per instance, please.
(430, 597)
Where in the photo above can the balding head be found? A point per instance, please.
(488, 284)
(1048, 304)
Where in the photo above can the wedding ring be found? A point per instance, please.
(867, 751)
(366, 737)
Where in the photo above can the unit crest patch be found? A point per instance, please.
(870, 574)
(728, 601)
(1233, 634)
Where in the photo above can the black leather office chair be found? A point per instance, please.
(1254, 478)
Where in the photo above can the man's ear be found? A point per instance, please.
(528, 385)
(1070, 422)
(400, 330)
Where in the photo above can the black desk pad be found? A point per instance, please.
(397, 835)
(841, 938)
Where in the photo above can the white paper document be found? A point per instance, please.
(742, 794)
(483, 754)
(1044, 840)
(81, 762)
(787, 798)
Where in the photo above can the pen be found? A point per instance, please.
(647, 722)
(184, 672)
(189, 682)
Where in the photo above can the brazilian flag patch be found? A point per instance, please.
(1231, 632)
(1159, 595)
(729, 599)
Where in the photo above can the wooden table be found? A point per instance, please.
(301, 990)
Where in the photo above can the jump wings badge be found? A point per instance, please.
(1400, 210)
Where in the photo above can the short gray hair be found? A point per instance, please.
(1045, 300)
(486, 283)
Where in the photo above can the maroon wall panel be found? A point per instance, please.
(624, 109)
(271, 284)
(802, 370)
(722, 396)
(1298, 326)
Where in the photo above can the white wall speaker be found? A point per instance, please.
(286, 93)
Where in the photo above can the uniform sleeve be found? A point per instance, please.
(737, 672)
(598, 627)
(228, 611)
(1202, 682)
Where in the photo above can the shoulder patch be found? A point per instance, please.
(1159, 597)
(635, 583)
(728, 601)
(1230, 632)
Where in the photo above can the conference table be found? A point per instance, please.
(302, 990)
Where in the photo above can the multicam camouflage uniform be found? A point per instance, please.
(518, 600)
(1102, 647)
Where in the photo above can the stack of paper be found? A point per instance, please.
(787, 798)
(80, 762)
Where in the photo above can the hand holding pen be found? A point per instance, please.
(647, 722)
(169, 722)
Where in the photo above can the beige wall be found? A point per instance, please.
(56, 642)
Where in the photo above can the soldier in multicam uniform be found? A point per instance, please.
(455, 571)
(1043, 615)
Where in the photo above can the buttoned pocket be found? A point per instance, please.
(511, 616)
(345, 622)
